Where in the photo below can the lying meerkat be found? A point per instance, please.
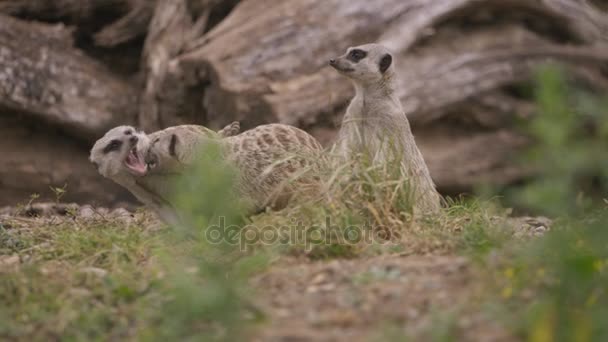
(270, 160)
(375, 122)
(120, 156)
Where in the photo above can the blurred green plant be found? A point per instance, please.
(556, 288)
(205, 292)
(570, 136)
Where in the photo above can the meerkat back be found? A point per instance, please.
(272, 161)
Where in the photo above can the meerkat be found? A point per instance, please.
(120, 156)
(271, 160)
(376, 124)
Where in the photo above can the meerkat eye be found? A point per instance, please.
(114, 145)
(356, 55)
(128, 132)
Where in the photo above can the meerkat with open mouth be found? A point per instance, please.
(120, 156)
(375, 123)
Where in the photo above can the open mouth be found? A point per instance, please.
(135, 164)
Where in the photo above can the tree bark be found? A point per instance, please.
(447, 52)
(283, 77)
(169, 31)
(43, 75)
(171, 97)
(70, 10)
(133, 24)
(36, 158)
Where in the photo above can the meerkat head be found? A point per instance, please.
(174, 148)
(120, 153)
(162, 156)
(368, 63)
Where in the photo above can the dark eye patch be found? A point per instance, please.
(114, 145)
(356, 55)
(128, 132)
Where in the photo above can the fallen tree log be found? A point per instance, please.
(43, 75)
(66, 10)
(133, 24)
(36, 159)
(448, 56)
(170, 29)
(168, 98)
(283, 76)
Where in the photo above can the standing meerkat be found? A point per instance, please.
(272, 161)
(376, 124)
(120, 156)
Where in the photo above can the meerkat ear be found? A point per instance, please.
(172, 145)
(385, 63)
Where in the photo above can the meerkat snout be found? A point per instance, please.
(366, 63)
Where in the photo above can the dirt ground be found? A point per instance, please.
(393, 296)
(387, 297)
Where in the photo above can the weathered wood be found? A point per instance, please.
(168, 96)
(448, 57)
(134, 24)
(43, 75)
(459, 160)
(169, 30)
(36, 158)
(282, 76)
(70, 10)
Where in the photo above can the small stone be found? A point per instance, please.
(86, 212)
(99, 272)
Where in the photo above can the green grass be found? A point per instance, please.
(79, 282)
(556, 288)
